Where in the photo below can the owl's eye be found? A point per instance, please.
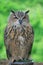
(16, 17)
(24, 17)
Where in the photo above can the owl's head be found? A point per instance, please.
(19, 17)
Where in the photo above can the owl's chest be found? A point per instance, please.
(21, 36)
(19, 33)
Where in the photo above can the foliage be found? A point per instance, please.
(36, 20)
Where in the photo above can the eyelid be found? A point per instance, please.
(15, 17)
(24, 17)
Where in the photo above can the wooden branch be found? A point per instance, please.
(6, 62)
(38, 63)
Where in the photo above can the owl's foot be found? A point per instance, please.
(10, 62)
(27, 59)
(20, 58)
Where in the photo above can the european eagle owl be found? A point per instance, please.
(18, 36)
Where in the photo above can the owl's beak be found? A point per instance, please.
(20, 21)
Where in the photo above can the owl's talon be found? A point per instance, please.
(20, 58)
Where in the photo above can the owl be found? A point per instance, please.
(18, 36)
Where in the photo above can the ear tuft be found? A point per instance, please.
(12, 11)
(27, 12)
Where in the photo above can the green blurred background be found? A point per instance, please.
(36, 20)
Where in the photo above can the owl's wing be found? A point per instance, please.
(8, 35)
(8, 53)
(7, 42)
(30, 40)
